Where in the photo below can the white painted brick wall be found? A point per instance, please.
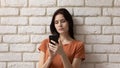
(14, 3)
(0, 38)
(25, 23)
(114, 58)
(10, 57)
(30, 56)
(7, 29)
(3, 47)
(100, 48)
(31, 29)
(99, 39)
(111, 11)
(108, 65)
(22, 47)
(96, 58)
(98, 2)
(40, 20)
(15, 38)
(14, 20)
(21, 65)
(116, 39)
(111, 29)
(98, 21)
(88, 29)
(116, 20)
(32, 11)
(70, 2)
(117, 3)
(8, 11)
(42, 3)
(3, 65)
(87, 11)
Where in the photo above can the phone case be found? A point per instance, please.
(54, 37)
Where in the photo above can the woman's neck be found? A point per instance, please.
(65, 37)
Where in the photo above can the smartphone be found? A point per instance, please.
(54, 37)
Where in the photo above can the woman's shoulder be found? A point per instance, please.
(78, 43)
(46, 40)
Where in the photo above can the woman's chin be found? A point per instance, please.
(61, 32)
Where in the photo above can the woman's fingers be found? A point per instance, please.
(52, 47)
(53, 42)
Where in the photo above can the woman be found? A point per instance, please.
(68, 53)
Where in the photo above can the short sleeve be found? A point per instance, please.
(43, 45)
(80, 51)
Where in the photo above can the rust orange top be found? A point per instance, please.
(74, 49)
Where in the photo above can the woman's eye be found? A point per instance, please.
(63, 21)
(56, 22)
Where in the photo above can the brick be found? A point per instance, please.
(98, 2)
(48, 29)
(37, 65)
(40, 20)
(15, 38)
(116, 39)
(78, 20)
(21, 65)
(70, 2)
(3, 47)
(8, 11)
(108, 65)
(0, 38)
(30, 56)
(106, 48)
(32, 11)
(117, 3)
(87, 11)
(14, 20)
(114, 58)
(38, 38)
(14, 3)
(80, 37)
(50, 11)
(88, 29)
(31, 29)
(7, 29)
(87, 65)
(88, 48)
(2, 65)
(98, 20)
(111, 11)
(116, 21)
(42, 2)
(22, 47)
(10, 57)
(99, 39)
(96, 58)
(111, 30)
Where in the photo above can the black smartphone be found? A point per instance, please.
(53, 37)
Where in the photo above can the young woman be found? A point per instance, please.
(68, 53)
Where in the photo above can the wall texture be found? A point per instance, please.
(25, 23)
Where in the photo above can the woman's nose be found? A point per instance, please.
(60, 24)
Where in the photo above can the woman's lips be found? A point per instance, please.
(60, 29)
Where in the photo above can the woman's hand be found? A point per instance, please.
(57, 48)
(51, 50)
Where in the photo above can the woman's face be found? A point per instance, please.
(61, 24)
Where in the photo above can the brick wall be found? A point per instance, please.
(25, 23)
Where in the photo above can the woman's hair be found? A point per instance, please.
(67, 17)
